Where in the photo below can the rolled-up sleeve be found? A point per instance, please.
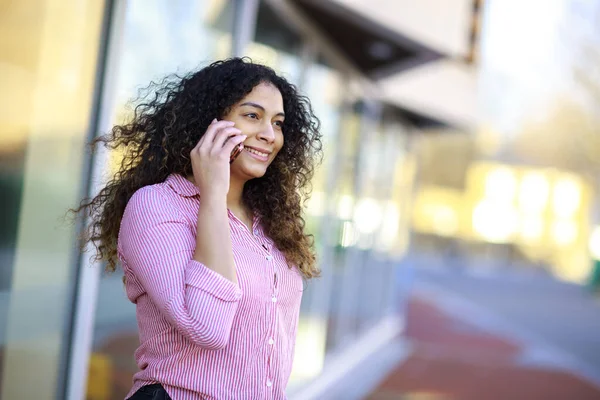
(157, 246)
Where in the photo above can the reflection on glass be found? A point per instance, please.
(496, 222)
(345, 206)
(315, 206)
(543, 212)
(594, 243)
(390, 227)
(48, 59)
(532, 228)
(309, 355)
(501, 185)
(368, 215)
(349, 236)
(566, 198)
(371, 191)
(280, 47)
(533, 193)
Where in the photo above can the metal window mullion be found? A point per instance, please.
(89, 272)
(244, 25)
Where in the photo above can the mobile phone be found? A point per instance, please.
(236, 152)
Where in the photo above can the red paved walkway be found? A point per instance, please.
(452, 359)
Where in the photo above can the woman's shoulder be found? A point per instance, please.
(150, 199)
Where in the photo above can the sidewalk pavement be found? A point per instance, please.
(454, 359)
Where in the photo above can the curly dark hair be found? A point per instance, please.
(168, 120)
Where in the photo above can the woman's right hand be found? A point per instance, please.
(210, 157)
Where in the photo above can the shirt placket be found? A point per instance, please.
(273, 327)
(274, 292)
(266, 251)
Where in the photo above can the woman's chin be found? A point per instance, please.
(257, 173)
(251, 171)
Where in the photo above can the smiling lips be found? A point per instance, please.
(257, 154)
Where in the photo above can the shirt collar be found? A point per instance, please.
(182, 186)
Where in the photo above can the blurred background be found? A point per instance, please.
(456, 210)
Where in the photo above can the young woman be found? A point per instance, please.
(214, 253)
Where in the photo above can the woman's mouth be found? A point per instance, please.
(257, 154)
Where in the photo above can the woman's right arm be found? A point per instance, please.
(191, 277)
(210, 164)
(158, 248)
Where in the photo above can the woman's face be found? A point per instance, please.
(260, 116)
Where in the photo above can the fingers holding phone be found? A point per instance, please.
(213, 154)
(237, 150)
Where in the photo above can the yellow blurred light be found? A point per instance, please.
(212, 11)
(99, 377)
(349, 234)
(345, 206)
(564, 232)
(572, 265)
(263, 54)
(594, 243)
(489, 141)
(534, 192)
(445, 220)
(501, 184)
(532, 228)
(566, 197)
(223, 47)
(316, 204)
(310, 348)
(389, 226)
(436, 210)
(367, 215)
(400, 247)
(494, 221)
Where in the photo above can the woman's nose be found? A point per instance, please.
(267, 134)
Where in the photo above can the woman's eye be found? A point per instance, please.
(279, 124)
(252, 115)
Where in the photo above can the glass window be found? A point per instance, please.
(354, 209)
(344, 235)
(351, 185)
(371, 190)
(48, 57)
(323, 85)
(158, 38)
(277, 44)
(273, 31)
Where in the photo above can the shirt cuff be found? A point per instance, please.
(200, 276)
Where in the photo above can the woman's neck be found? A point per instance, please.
(234, 196)
(235, 203)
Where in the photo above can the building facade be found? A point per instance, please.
(69, 70)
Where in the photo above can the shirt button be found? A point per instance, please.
(274, 299)
(269, 383)
(271, 341)
(269, 257)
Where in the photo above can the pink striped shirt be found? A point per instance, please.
(202, 336)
